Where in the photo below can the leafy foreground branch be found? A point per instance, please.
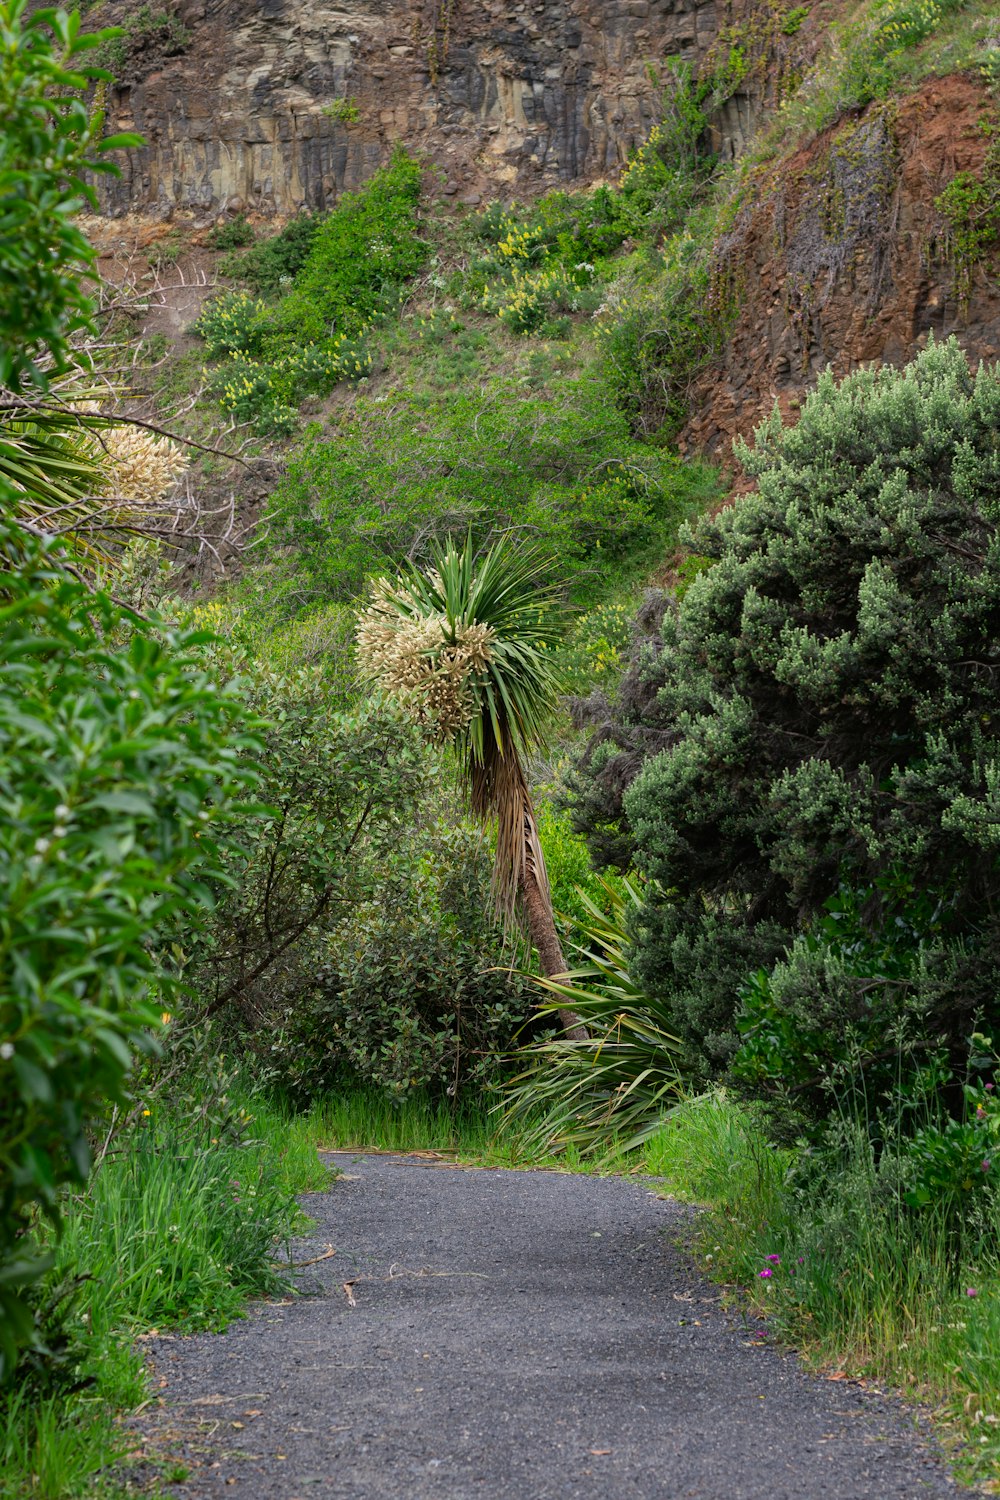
(123, 762)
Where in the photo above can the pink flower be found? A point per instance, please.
(766, 1273)
(773, 1260)
(988, 1087)
(970, 1291)
(980, 1112)
(985, 1164)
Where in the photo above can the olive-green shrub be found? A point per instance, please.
(418, 988)
(816, 722)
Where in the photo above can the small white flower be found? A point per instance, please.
(62, 811)
(6, 1051)
(41, 846)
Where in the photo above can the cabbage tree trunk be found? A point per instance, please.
(499, 788)
(536, 904)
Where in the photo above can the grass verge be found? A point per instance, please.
(177, 1230)
(836, 1267)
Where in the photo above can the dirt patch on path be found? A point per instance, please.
(518, 1336)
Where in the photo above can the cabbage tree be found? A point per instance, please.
(467, 647)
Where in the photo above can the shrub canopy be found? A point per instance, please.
(816, 722)
(122, 766)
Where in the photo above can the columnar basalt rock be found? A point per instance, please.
(518, 94)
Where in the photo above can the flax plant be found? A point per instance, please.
(467, 648)
(613, 1088)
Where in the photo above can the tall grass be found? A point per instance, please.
(831, 1261)
(177, 1228)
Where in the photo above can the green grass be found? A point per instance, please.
(365, 1119)
(860, 1285)
(54, 1447)
(179, 1226)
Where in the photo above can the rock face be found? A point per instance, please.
(841, 259)
(499, 93)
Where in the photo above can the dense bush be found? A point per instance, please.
(661, 321)
(122, 760)
(361, 254)
(50, 146)
(397, 474)
(417, 988)
(358, 257)
(818, 717)
(272, 264)
(340, 788)
(232, 234)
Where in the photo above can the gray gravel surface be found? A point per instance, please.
(518, 1335)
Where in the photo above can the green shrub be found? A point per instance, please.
(340, 788)
(232, 324)
(272, 264)
(596, 650)
(417, 991)
(356, 258)
(234, 234)
(818, 713)
(660, 323)
(843, 1023)
(970, 206)
(345, 111)
(121, 765)
(402, 470)
(527, 300)
(665, 178)
(361, 254)
(50, 146)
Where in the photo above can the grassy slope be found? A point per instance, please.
(175, 1231)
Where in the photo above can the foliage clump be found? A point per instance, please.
(417, 989)
(358, 257)
(150, 34)
(970, 207)
(50, 146)
(810, 738)
(271, 265)
(397, 475)
(123, 760)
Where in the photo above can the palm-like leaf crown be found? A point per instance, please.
(468, 647)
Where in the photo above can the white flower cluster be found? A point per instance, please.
(424, 662)
(141, 466)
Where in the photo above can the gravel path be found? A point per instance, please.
(513, 1336)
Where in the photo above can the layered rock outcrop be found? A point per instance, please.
(500, 94)
(841, 258)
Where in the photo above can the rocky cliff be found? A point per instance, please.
(255, 112)
(841, 258)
